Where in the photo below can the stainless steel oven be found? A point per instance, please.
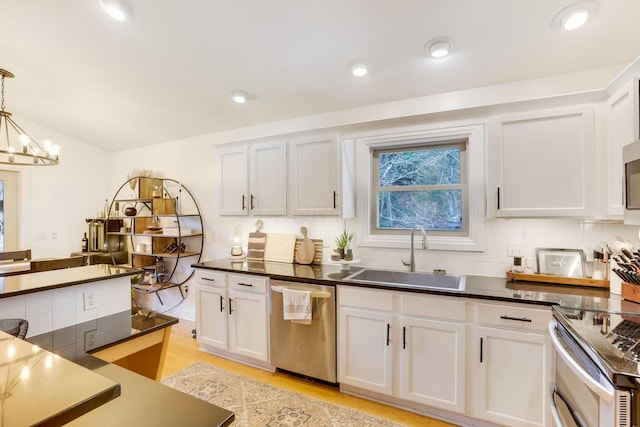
(597, 355)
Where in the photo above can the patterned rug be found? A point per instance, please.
(260, 404)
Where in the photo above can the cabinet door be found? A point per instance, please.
(365, 355)
(233, 181)
(268, 178)
(314, 176)
(623, 121)
(248, 325)
(513, 372)
(543, 163)
(433, 363)
(211, 316)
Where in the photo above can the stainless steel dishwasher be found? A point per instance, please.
(308, 350)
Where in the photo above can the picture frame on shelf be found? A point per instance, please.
(560, 262)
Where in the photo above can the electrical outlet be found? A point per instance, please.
(514, 249)
(90, 339)
(89, 300)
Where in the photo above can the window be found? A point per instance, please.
(420, 184)
(431, 175)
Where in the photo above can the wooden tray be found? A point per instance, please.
(558, 280)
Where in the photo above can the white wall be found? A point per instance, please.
(57, 199)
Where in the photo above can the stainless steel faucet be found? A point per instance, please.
(412, 260)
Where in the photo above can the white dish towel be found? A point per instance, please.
(296, 305)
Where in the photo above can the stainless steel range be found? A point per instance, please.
(597, 368)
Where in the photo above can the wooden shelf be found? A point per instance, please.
(558, 280)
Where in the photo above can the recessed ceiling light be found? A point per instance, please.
(239, 96)
(574, 16)
(438, 47)
(360, 69)
(120, 10)
(575, 19)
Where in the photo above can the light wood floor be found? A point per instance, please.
(183, 351)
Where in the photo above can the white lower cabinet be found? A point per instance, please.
(432, 363)
(513, 368)
(404, 345)
(364, 352)
(231, 314)
(419, 349)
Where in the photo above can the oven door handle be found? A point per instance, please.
(556, 414)
(604, 391)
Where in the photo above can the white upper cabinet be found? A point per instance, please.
(623, 117)
(234, 181)
(253, 179)
(268, 178)
(314, 175)
(541, 163)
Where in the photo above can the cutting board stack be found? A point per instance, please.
(283, 247)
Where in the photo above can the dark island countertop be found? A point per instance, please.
(41, 388)
(141, 401)
(478, 287)
(37, 282)
(144, 402)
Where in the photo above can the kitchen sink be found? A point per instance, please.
(404, 279)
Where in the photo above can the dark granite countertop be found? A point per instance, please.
(80, 340)
(41, 388)
(36, 282)
(479, 287)
(147, 403)
(141, 401)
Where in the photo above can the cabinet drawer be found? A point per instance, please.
(210, 278)
(433, 306)
(514, 316)
(361, 298)
(248, 283)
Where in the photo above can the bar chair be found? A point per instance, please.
(16, 327)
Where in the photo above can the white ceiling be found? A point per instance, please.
(169, 73)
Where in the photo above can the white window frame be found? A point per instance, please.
(358, 169)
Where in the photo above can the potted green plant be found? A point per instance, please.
(344, 239)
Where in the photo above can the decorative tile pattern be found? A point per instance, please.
(260, 404)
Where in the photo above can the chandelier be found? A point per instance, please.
(25, 152)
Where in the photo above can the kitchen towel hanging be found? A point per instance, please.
(296, 306)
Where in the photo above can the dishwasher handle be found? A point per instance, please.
(314, 294)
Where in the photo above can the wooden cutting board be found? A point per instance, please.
(257, 240)
(306, 252)
(317, 246)
(279, 247)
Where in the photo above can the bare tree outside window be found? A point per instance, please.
(421, 185)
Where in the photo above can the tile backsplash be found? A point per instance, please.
(493, 261)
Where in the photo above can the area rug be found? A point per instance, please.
(257, 403)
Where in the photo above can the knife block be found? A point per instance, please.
(630, 292)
